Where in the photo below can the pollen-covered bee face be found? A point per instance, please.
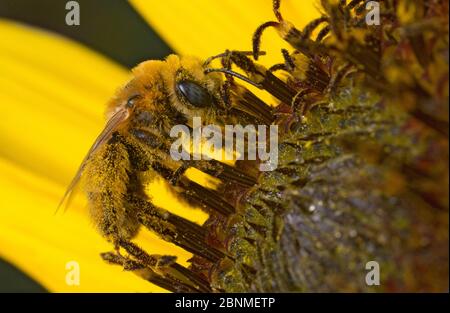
(162, 94)
(134, 148)
(174, 91)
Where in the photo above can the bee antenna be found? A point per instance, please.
(226, 53)
(232, 73)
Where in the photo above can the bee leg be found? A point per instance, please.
(146, 273)
(153, 261)
(167, 267)
(243, 99)
(226, 63)
(260, 75)
(226, 93)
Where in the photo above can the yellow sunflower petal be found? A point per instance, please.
(205, 28)
(52, 99)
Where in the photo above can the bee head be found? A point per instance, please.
(181, 84)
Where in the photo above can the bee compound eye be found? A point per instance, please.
(195, 94)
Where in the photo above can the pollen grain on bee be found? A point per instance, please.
(228, 143)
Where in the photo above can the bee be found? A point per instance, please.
(134, 147)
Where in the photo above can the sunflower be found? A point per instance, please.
(52, 93)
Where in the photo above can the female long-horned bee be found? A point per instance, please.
(134, 147)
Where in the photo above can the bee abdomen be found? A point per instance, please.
(106, 184)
